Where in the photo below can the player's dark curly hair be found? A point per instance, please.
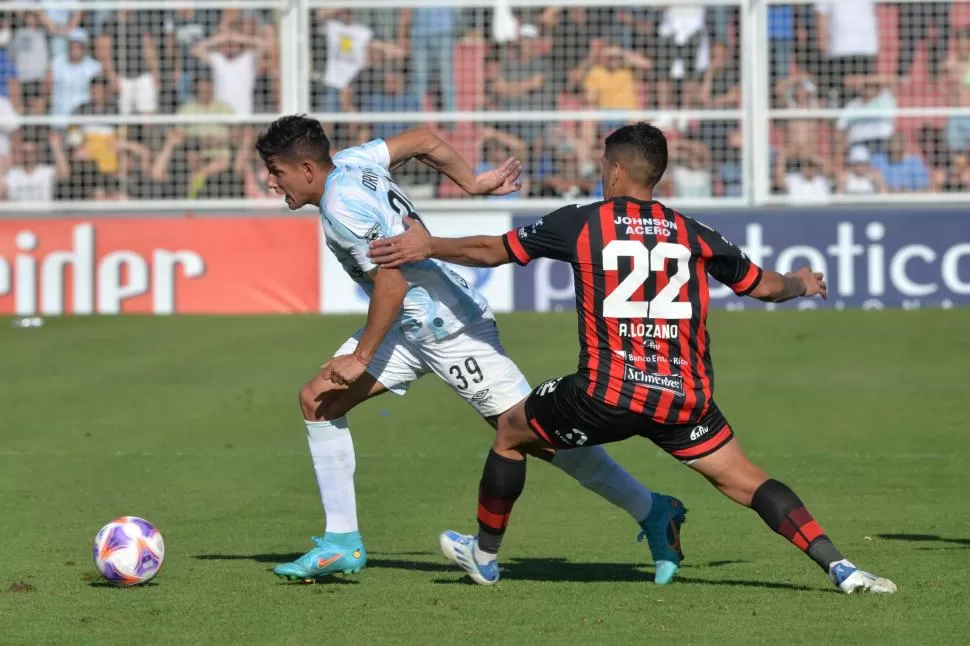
(295, 137)
(642, 149)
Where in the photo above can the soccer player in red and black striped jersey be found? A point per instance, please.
(641, 274)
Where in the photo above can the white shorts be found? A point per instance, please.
(473, 362)
(137, 95)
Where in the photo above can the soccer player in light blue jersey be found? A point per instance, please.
(422, 318)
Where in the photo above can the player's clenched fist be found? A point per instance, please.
(411, 246)
(343, 370)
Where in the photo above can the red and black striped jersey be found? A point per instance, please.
(642, 299)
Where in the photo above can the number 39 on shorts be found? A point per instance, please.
(618, 305)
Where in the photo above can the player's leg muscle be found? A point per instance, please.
(730, 470)
(321, 399)
(515, 437)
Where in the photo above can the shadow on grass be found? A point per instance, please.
(560, 570)
(537, 569)
(553, 569)
(101, 583)
(372, 562)
(963, 543)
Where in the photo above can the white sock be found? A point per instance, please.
(593, 468)
(482, 557)
(334, 462)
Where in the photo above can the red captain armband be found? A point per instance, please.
(750, 280)
(514, 246)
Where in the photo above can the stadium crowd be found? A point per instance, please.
(856, 57)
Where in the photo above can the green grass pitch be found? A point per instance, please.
(193, 423)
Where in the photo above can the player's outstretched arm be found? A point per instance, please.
(778, 288)
(434, 152)
(417, 244)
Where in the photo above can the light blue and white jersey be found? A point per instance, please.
(361, 203)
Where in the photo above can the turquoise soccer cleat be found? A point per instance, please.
(661, 529)
(333, 554)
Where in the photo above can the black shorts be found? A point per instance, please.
(561, 413)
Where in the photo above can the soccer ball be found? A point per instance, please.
(128, 551)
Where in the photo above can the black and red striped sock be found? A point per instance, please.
(783, 511)
(502, 482)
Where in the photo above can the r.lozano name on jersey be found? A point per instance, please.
(649, 330)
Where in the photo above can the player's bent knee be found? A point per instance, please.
(320, 405)
(308, 400)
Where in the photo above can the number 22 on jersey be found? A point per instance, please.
(618, 305)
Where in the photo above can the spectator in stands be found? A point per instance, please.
(496, 147)
(914, 24)
(571, 37)
(799, 92)
(722, 21)
(860, 178)
(250, 169)
(566, 180)
(10, 100)
(78, 176)
(128, 48)
(343, 52)
(781, 41)
(954, 177)
(680, 54)
(32, 59)
(863, 121)
(70, 76)
(184, 29)
(804, 178)
(932, 146)
(691, 173)
(259, 24)
(100, 140)
(611, 84)
(30, 180)
(60, 23)
(234, 60)
(214, 137)
(720, 89)
(344, 48)
(848, 35)
(958, 85)
(522, 84)
(432, 38)
(182, 171)
(730, 170)
(386, 25)
(903, 172)
(387, 94)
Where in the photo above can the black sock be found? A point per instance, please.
(502, 482)
(783, 511)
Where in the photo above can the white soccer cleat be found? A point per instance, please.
(850, 579)
(460, 550)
